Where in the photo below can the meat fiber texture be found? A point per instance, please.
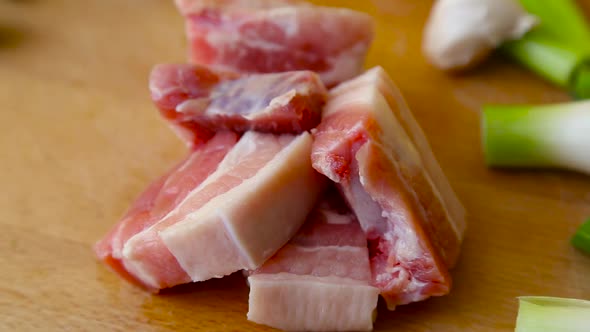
(229, 206)
(263, 36)
(370, 144)
(320, 280)
(198, 101)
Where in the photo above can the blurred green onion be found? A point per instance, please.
(561, 19)
(555, 135)
(581, 81)
(552, 314)
(581, 239)
(558, 49)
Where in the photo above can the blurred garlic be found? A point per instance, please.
(460, 33)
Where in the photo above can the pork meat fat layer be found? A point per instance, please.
(320, 280)
(152, 206)
(253, 219)
(256, 36)
(198, 101)
(370, 145)
(249, 205)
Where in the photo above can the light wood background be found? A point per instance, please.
(79, 139)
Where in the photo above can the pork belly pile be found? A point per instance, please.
(304, 172)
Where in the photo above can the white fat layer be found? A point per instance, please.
(280, 101)
(246, 261)
(242, 148)
(397, 231)
(138, 269)
(288, 19)
(247, 146)
(263, 110)
(351, 249)
(409, 249)
(223, 41)
(360, 91)
(156, 82)
(252, 259)
(407, 152)
(378, 77)
(237, 222)
(189, 105)
(158, 92)
(250, 97)
(396, 139)
(336, 218)
(346, 65)
(306, 303)
(454, 210)
(368, 211)
(117, 241)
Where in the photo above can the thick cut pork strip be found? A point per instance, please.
(320, 280)
(257, 36)
(369, 143)
(247, 224)
(157, 201)
(251, 203)
(199, 101)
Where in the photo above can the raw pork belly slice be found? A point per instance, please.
(270, 187)
(252, 202)
(320, 280)
(199, 101)
(157, 201)
(262, 36)
(370, 144)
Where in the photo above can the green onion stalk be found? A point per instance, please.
(552, 314)
(558, 49)
(546, 136)
(581, 239)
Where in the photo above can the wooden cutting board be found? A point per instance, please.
(79, 139)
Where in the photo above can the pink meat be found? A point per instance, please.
(370, 145)
(211, 223)
(199, 101)
(243, 227)
(159, 199)
(260, 36)
(320, 280)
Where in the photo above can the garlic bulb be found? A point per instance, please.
(460, 33)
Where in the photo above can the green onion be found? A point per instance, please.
(556, 136)
(561, 19)
(547, 56)
(581, 81)
(552, 314)
(559, 47)
(581, 239)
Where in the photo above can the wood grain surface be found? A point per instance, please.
(79, 139)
